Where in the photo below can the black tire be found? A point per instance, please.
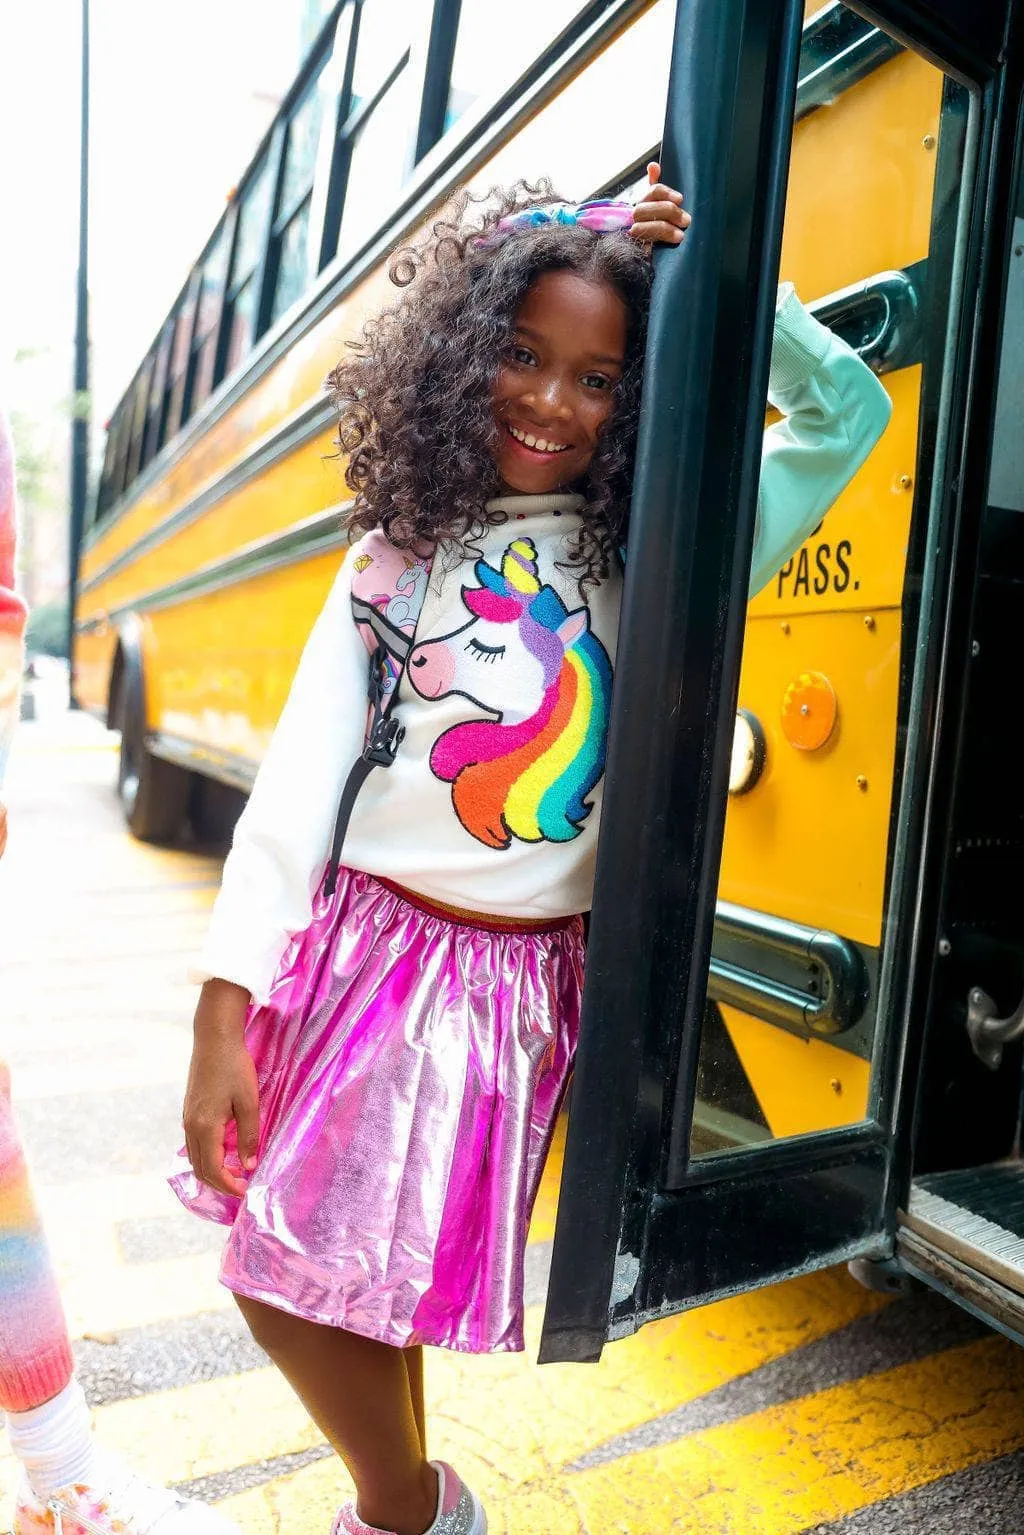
(153, 793)
(213, 810)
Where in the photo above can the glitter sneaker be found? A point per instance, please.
(119, 1502)
(459, 1511)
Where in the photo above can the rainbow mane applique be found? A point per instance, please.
(527, 659)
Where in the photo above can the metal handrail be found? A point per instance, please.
(844, 992)
(879, 317)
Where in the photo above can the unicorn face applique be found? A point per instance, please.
(388, 587)
(524, 658)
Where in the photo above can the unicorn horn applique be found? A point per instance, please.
(519, 566)
(545, 679)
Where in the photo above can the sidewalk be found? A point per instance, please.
(811, 1406)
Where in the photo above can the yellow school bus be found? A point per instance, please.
(216, 528)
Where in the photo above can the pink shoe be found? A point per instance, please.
(459, 1511)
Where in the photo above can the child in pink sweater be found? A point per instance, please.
(66, 1482)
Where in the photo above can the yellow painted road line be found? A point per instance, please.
(555, 1414)
(307, 1500)
(202, 1429)
(102, 1294)
(512, 1426)
(174, 1436)
(819, 1458)
(114, 1299)
(70, 1210)
(303, 1503)
(80, 963)
(165, 1064)
(53, 1082)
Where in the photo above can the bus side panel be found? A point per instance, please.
(94, 661)
(226, 659)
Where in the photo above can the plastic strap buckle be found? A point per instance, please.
(386, 737)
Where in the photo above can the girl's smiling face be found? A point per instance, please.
(554, 392)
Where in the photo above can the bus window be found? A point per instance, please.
(180, 352)
(249, 244)
(140, 401)
(211, 296)
(291, 231)
(154, 411)
(798, 961)
(481, 71)
(106, 495)
(119, 435)
(381, 122)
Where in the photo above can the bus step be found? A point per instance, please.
(975, 1214)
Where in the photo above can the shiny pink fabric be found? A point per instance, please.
(411, 1068)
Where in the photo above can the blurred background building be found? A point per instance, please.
(168, 138)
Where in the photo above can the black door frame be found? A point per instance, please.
(620, 1256)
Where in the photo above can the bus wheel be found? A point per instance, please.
(213, 810)
(153, 793)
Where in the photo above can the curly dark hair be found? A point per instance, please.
(414, 392)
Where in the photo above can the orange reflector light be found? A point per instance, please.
(809, 710)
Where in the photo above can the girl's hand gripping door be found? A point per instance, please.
(734, 1105)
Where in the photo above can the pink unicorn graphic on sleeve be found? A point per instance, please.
(388, 587)
(539, 669)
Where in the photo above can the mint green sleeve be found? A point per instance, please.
(834, 411)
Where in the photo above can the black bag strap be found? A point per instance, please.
(384, 735)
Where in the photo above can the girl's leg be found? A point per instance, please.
(358, 1392)
(414, 1365)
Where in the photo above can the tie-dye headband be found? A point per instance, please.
(603, 216)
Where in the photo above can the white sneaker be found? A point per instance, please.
(118, 1502)
(459, 1510)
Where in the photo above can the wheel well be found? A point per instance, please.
(115, 689)
(126, 672)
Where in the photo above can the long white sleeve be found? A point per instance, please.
(283, 837)
(834, 411)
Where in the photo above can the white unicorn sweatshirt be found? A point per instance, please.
(494, 799)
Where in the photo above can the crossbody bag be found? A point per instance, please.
(388, 658)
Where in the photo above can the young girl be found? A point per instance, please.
(378, 1065)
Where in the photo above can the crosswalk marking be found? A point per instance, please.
(819, 1458)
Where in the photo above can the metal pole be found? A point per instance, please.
(80, 403)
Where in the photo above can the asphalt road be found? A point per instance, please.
(812, 1406)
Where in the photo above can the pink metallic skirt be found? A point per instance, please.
(411, 1065)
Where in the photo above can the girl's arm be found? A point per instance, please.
(834, 410)
(283, 837)
(277, 854)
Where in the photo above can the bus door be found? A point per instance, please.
(764, 925)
